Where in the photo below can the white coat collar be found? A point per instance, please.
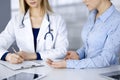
(45, 19)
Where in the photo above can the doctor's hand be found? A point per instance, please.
(72, 55)
(56, 64)
(27, 55)
(14, 58)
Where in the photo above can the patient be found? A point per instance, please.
(101, 38)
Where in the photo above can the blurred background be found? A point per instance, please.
(74, 13)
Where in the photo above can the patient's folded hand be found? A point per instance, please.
(72, 55)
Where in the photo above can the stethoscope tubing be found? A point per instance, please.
(49, 27)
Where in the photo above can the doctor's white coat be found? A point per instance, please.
(23, 35)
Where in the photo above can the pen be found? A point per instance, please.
(14, 50)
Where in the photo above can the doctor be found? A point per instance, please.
(101, 38)
(39, 33)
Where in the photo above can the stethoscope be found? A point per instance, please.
(49, 28)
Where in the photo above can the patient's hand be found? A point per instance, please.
(72, 55)
(56, 64)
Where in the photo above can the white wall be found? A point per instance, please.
(4, 13)
(14, 7)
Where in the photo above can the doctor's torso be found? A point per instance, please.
(24, 35)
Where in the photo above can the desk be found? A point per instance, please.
(62, 74)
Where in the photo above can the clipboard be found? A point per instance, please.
(24, 65)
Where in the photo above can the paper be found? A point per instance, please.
(24, 65)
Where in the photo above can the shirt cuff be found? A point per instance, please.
(38, 56)
(76, 64)
(81, 55)
(70, 64)
(4, 56)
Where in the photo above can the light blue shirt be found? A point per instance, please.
(101, 38)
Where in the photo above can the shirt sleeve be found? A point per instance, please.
(108, 56)
(81, 52)
(38, 56)
(7, 37)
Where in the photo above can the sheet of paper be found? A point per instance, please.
(25, 76)
(24, 65)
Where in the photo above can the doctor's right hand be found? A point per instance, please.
(14, 58)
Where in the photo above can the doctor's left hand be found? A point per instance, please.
(27, 55)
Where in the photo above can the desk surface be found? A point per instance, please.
(62, 74)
